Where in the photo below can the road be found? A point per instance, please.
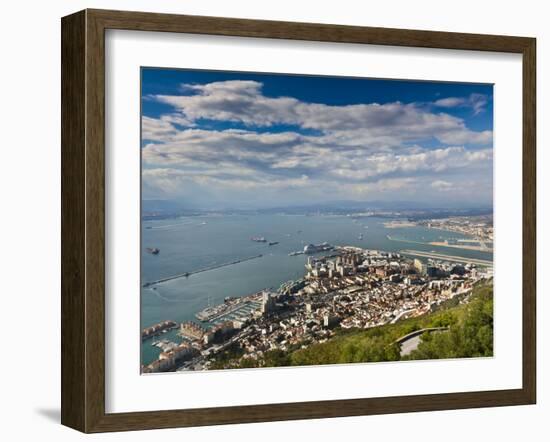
(411, 341)
(408, 346)
(482, 262)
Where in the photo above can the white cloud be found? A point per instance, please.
(391, 123)
(441, 185)
(154, 129)
(477, 102)
(451, 102)
(249, 160)
(434, 161)
(357, 151)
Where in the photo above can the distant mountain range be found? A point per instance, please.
(363, 205)
(166, 208)
(162, 206)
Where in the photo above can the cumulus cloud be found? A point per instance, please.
(347, 151)
(436, 161)
(246, 159)
(391, 123)
(477, 102)
(153, 129)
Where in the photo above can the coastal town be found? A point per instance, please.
(479, 227)
(342, 288)
(477, 231)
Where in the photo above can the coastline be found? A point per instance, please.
(182, 298)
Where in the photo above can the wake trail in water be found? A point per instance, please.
(167, 226)
(158, 295)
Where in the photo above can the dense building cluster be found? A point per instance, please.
(480, 227)
(172, 358)
(351, 288)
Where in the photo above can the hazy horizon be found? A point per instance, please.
(330, 205)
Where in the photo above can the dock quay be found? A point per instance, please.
(205, 269)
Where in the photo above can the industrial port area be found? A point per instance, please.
(350, 288)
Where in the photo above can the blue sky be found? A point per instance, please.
(248, 140)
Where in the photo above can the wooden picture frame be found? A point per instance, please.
(83, 220)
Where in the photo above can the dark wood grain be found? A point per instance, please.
(83, 220)
(144, 21)
(73, 255)
(529, 221)
(95, 222)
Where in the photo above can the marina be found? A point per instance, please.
(231, 309)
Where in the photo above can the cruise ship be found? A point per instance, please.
(316, 248)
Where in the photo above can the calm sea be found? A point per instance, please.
(188, 244)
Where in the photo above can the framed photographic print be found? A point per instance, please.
(268, 221)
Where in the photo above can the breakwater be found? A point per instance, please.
(194, 272)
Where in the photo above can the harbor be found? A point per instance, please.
(231, 309)
(227, 239)
(355, 289)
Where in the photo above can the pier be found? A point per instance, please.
(205, 269)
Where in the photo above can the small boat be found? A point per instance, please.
(273, 243)
(152, 250)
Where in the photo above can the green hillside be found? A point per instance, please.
(470, 335)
